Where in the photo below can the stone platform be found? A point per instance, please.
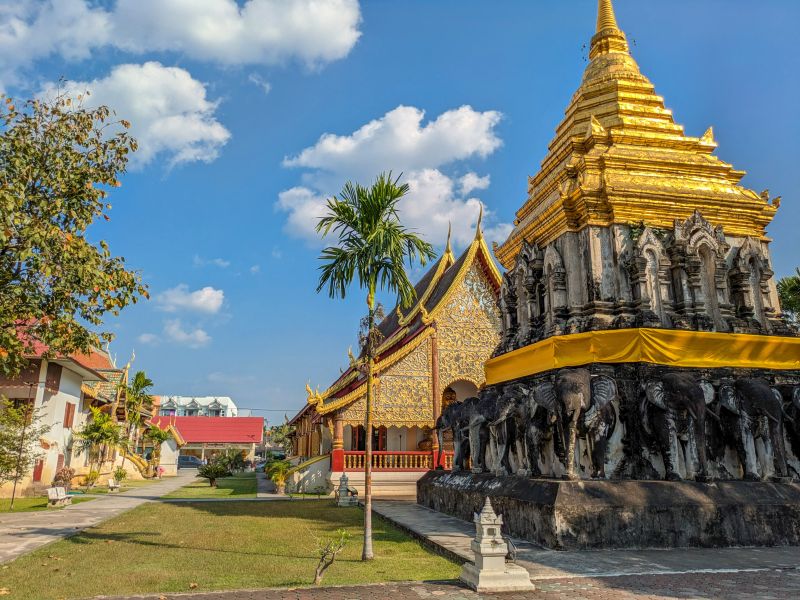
(580, 515)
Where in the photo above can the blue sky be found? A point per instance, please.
(461, 95)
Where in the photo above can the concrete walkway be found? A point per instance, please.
(23, 532)
(452, 536)
(265, 487)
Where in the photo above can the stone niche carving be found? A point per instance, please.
(687, 277)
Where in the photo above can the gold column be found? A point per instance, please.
(435, 387)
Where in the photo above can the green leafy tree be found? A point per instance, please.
(98, 437)
(137, 399)
(281, 436)
(58, 162)
(156, 436)
(789, 293)
(372, 248)
(20, 430)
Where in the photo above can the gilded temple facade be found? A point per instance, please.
(431, 354)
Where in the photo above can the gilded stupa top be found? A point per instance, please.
(619, 157)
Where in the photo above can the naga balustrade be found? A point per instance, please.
(394, 461)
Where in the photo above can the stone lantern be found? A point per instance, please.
(491, 573)
(343, 495)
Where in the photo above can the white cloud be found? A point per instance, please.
(193, 338)
(148, 338)
(255, 269)
(399, 141)
(472, 181)
(199, 261)
(205, 300)
(220, 31)
(259, 81)
(167, 109)
(424, 152)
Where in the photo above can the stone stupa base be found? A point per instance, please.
(596, 514)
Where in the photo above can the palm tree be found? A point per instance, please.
(137, 397)
(98, 435)
(156, 436)
(372, 247)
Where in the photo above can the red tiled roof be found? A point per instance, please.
(215, 430)
(94, 360)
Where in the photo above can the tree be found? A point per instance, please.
(20, 431)
(137, 397)
(98, 436)
(789, 293)
(372, 248)
(281, 435)
(213, 471)
(156, 436)
(58, 162)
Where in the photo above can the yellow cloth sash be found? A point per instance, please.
(674, 347)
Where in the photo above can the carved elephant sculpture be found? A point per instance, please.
(507, 431)
(582, 406)
(454, 417)
(675, 405)
(791, 404)
(751, 409)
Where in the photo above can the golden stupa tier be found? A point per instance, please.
(619, 158)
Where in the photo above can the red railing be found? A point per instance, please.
(389, 461)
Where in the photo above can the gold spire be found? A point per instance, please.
(478, 232)
(605, 16)
(609, 37)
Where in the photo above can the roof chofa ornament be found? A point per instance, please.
(478, 230)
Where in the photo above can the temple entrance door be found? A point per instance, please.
(379, 439)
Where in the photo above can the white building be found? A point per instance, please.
(198, 406)
(56, 389)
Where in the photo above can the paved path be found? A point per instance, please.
(23, 532)
(772, 585)
(453, 536)
(265, 487)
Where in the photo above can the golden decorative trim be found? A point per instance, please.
(444, 263)
(391, 340)
(305, 464)
(671, 347)
(478, 244)
(324, 409)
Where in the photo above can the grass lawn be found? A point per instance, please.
(241, 485)
(217, 545)
(29, 504)
(126, 485)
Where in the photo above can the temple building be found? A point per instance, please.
(431, 354)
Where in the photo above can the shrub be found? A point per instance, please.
(213, 471)
(120, 474)
(91, 478)
(63, 477)
(278, 472)
(231, 459)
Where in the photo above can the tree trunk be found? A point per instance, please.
(367, 553)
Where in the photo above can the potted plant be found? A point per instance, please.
(120, 475)
(278, 472)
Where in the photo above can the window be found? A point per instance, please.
(69, 415)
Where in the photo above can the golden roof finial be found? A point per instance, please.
(605, 16)
(478, 232)
(609, 37)
(448, 248)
